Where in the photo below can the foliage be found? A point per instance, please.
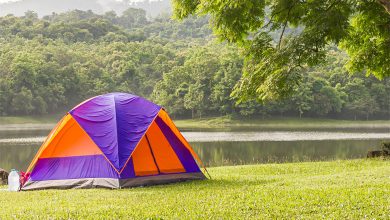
(274, 66)
(202, 83)
(385, 147)
(50, 64)
(326, 90)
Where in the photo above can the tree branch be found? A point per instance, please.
(272, 17)
(385, 4)
(284, 27)
(278, 12)
(333, 4)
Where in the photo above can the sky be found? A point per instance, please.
(3, 1)
(45, 7)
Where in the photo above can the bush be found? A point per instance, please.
(385, 147)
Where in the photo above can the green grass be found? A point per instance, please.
(351, 189)
(279, 122)
(228, 122)
(47, 119)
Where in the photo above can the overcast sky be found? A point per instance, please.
(46, 7)
(2, 1)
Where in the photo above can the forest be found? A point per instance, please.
(51, 63)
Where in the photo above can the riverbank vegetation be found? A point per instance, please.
(221, 123)
(50, 64)
(351, 189)
(228, 122)
(35, 119)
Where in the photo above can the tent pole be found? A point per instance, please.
(204, 167)
(151, 151)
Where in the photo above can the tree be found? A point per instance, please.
(327, 100)
(132, 17)
(303, 98)
(22, 102)
(360, 102)
(194, 99)
(225, 79)
(274, 66)
(50, 64)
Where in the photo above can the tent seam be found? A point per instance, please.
(35, 159)
(116, 170)
(128, 159)
(116, 127)
(196, 155)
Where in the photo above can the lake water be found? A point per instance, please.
(219, 148)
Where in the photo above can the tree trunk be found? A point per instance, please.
(385, 4)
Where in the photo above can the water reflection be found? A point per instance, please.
(239, 153)
(281, 136)
(19, 155)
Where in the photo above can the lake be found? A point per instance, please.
(221, 148)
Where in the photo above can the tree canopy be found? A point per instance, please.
(274, 63)
(50, 64)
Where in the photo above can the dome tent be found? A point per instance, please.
(114, 140)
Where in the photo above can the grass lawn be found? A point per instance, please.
(47, 119)
(351, 189)
(279, 123)
(219, 123)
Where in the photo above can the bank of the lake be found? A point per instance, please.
(350, 189)
(280, 123)
(225, 122)
(33, 119)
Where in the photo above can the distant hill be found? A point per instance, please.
(47, 7)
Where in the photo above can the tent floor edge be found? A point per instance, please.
(160, 179)
(82, 183)
(112, 183)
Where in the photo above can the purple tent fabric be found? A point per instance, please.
(107, 119)
(94, 166)
(128, 171)
(181, 151)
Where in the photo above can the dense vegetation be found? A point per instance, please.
(52, 63)
(305, 29)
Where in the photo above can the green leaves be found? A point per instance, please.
(55, 62)
(303, 30)
(202, 83)
(232, 20)
(184, 8)
(368, 41)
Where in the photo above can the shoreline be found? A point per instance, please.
(48, 122)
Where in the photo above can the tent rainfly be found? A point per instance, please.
(113, 141)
